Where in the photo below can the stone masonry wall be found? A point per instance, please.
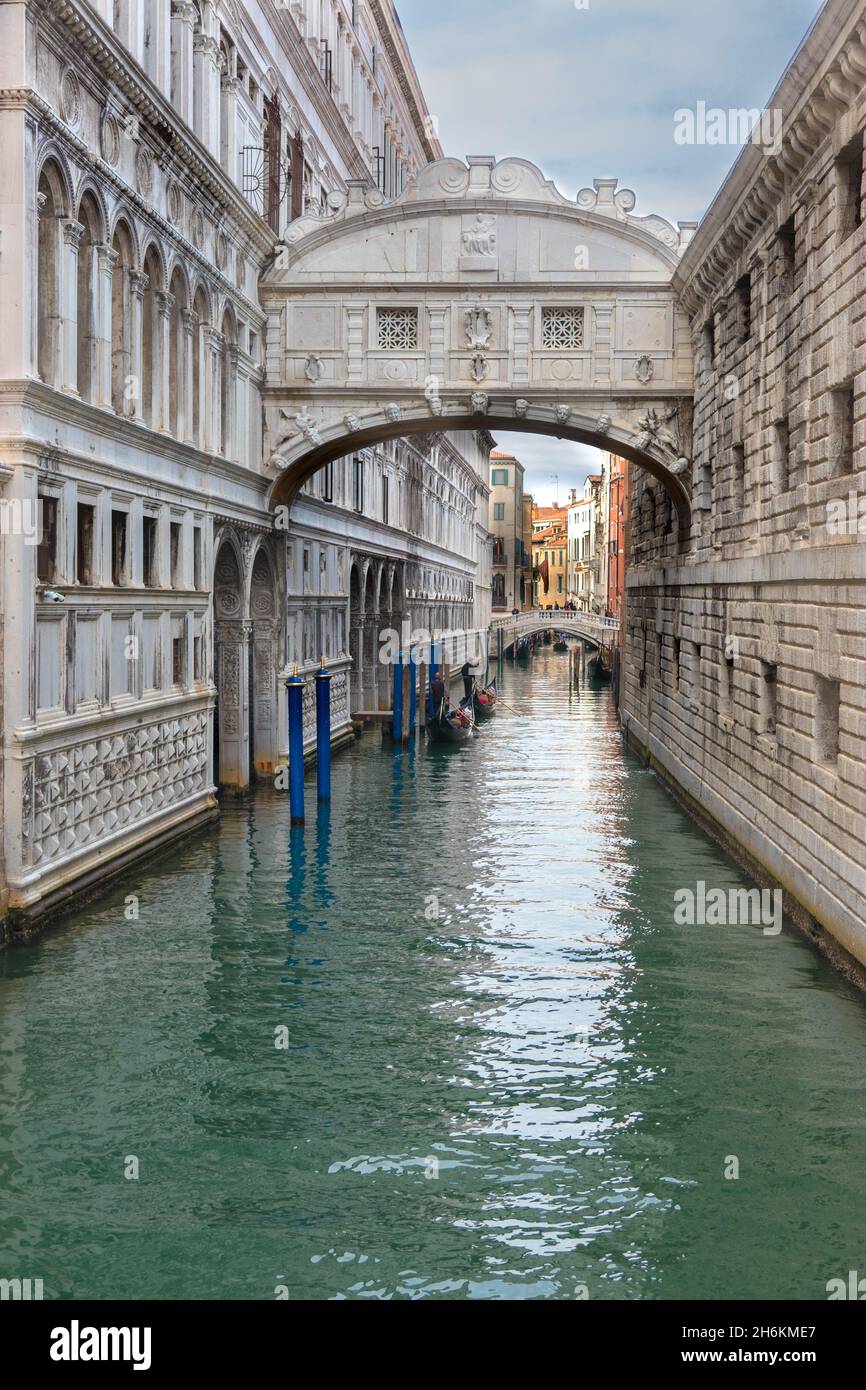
(746, 656)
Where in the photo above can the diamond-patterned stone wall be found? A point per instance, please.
(76, 795)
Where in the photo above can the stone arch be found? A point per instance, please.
(264, 660)
(231, 665)
(89, 188)
(482, 297)
(199, 431)
(179, 351)
(356, 634)
(123, 216)
(151, 336)
(52, 204)
(91, 220)
(54, 166)
(123, 270)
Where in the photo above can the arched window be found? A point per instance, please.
(198, 365)
(50, 205)
(87, 355)
(123, 388)
(150, 341)
(177, 358)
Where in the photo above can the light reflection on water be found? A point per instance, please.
(508, 1074)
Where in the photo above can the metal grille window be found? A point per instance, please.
(397, 329)
(562, 328)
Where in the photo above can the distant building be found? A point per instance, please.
(510, 567)
(616, 522)
(549, 550)
(526, 572)
(586, 523)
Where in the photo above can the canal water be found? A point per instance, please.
(446, 1042)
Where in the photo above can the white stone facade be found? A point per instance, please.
(154, 154)
(745, 659)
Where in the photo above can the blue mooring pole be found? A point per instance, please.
(295, 687)
(323, 733)
(397, 702)
(413, 694)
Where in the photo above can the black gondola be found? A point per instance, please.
(450, 725)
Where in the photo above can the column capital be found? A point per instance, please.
(183, 10)
(138, 282)
(166, 302)
(72, 232)
(190, 319)
(106, 256)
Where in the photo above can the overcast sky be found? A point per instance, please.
(590, 92)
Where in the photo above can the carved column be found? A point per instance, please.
(228, 124)
(138, 283)
(231, 357)
(72, 233)
(106, 260)
(189, 320)
(162, 401)
(214, 345)
(182, 22)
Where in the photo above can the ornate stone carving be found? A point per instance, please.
(308, 427)
(392, 412)
(521, 407)
(143, 172)
(222, 251)
(480, 367)
(480, 402)
(110, 139)
(654, 434)
(479, 327)
(644, 369)
(70, 98)
(314, 367)
(479, 243)
(197, 229)
(352, 423)
(561, 413)
(603, 424)
(174, 201)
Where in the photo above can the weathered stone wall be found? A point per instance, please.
(746, 657)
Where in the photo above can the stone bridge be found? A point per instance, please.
(506, 631)
(482, 297)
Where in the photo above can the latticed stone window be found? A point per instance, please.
(562, 328)
(398, 329)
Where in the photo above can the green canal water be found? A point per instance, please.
(508, 1074)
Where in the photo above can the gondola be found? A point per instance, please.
(524, 649)
(450, 725)
(481, 702)
(560, 645)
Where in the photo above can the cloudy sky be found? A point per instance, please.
(589, 90)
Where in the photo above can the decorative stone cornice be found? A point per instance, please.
(87, 31)
(823, 83)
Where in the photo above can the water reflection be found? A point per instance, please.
(508, 1074)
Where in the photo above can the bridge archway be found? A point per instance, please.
(482, 297)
